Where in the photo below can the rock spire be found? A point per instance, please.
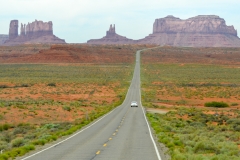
(13, 29)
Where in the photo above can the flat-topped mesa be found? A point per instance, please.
(35, 32)
(13, 29)
(38, 28)
(209, 24)
(111, 31)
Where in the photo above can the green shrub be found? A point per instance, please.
(39, 142)
(66, 108)
(6, 136)
(17, 142)
(216, 104)
(3, 145)
(233, 121)
(4, 86)
(4, 157)
(5, 126)
(19, 130)
(24, 85)
(234, 104)
(23, 150)
(51, 84)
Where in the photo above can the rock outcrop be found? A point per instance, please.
(13, 29)
(111, 38)
(37, 29)
(199, 31)
(3, 38)
(199, 24)
(35, 32)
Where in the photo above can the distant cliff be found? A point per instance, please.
(199, 24)
(3, 38)
(199, 31)
(35, 32)
(111, 38)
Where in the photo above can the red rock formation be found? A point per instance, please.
(13, 29)
(111, 38)
(199, 31)
(3, 38)
(23, 30)
(38, 29)
(199, 24)
(111, 31)
(35, 32)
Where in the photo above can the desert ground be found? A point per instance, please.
(192, 97)
(49, 91)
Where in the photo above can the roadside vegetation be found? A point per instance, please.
(193, 134)
(199, 89)
(190, 84)
(40, 103)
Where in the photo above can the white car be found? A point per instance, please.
(134, 104)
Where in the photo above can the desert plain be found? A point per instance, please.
(50, 91)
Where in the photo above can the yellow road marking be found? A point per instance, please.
(116, 130)
(110, 138)
(105, 145)
(98, 152)
(114, 134)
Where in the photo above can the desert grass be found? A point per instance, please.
(40, 103)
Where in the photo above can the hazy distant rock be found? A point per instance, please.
(111, 38)
(37, 29)
(199, 31)
(200, 24)
(35, 32)
(13, 29)
(3, 38)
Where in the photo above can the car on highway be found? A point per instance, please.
(134, 104)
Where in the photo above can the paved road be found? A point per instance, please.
(123, 134)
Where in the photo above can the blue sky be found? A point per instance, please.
(77, 21)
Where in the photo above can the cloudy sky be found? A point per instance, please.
(77, 21)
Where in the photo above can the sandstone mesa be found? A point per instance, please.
(35, 32)
(199, 31)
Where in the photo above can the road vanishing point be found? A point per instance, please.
(122, 134)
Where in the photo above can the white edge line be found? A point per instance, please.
(151, 136)
(77, 132)
(68, 137)
(155, 146)
(98, 121)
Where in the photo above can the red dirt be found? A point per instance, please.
(60, 55)
(184, 55)
(38, 114)
(71, 54)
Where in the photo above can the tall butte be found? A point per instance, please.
(13, 29)
(111, 38)
(35, 32)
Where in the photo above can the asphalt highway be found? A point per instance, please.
(122, 134)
